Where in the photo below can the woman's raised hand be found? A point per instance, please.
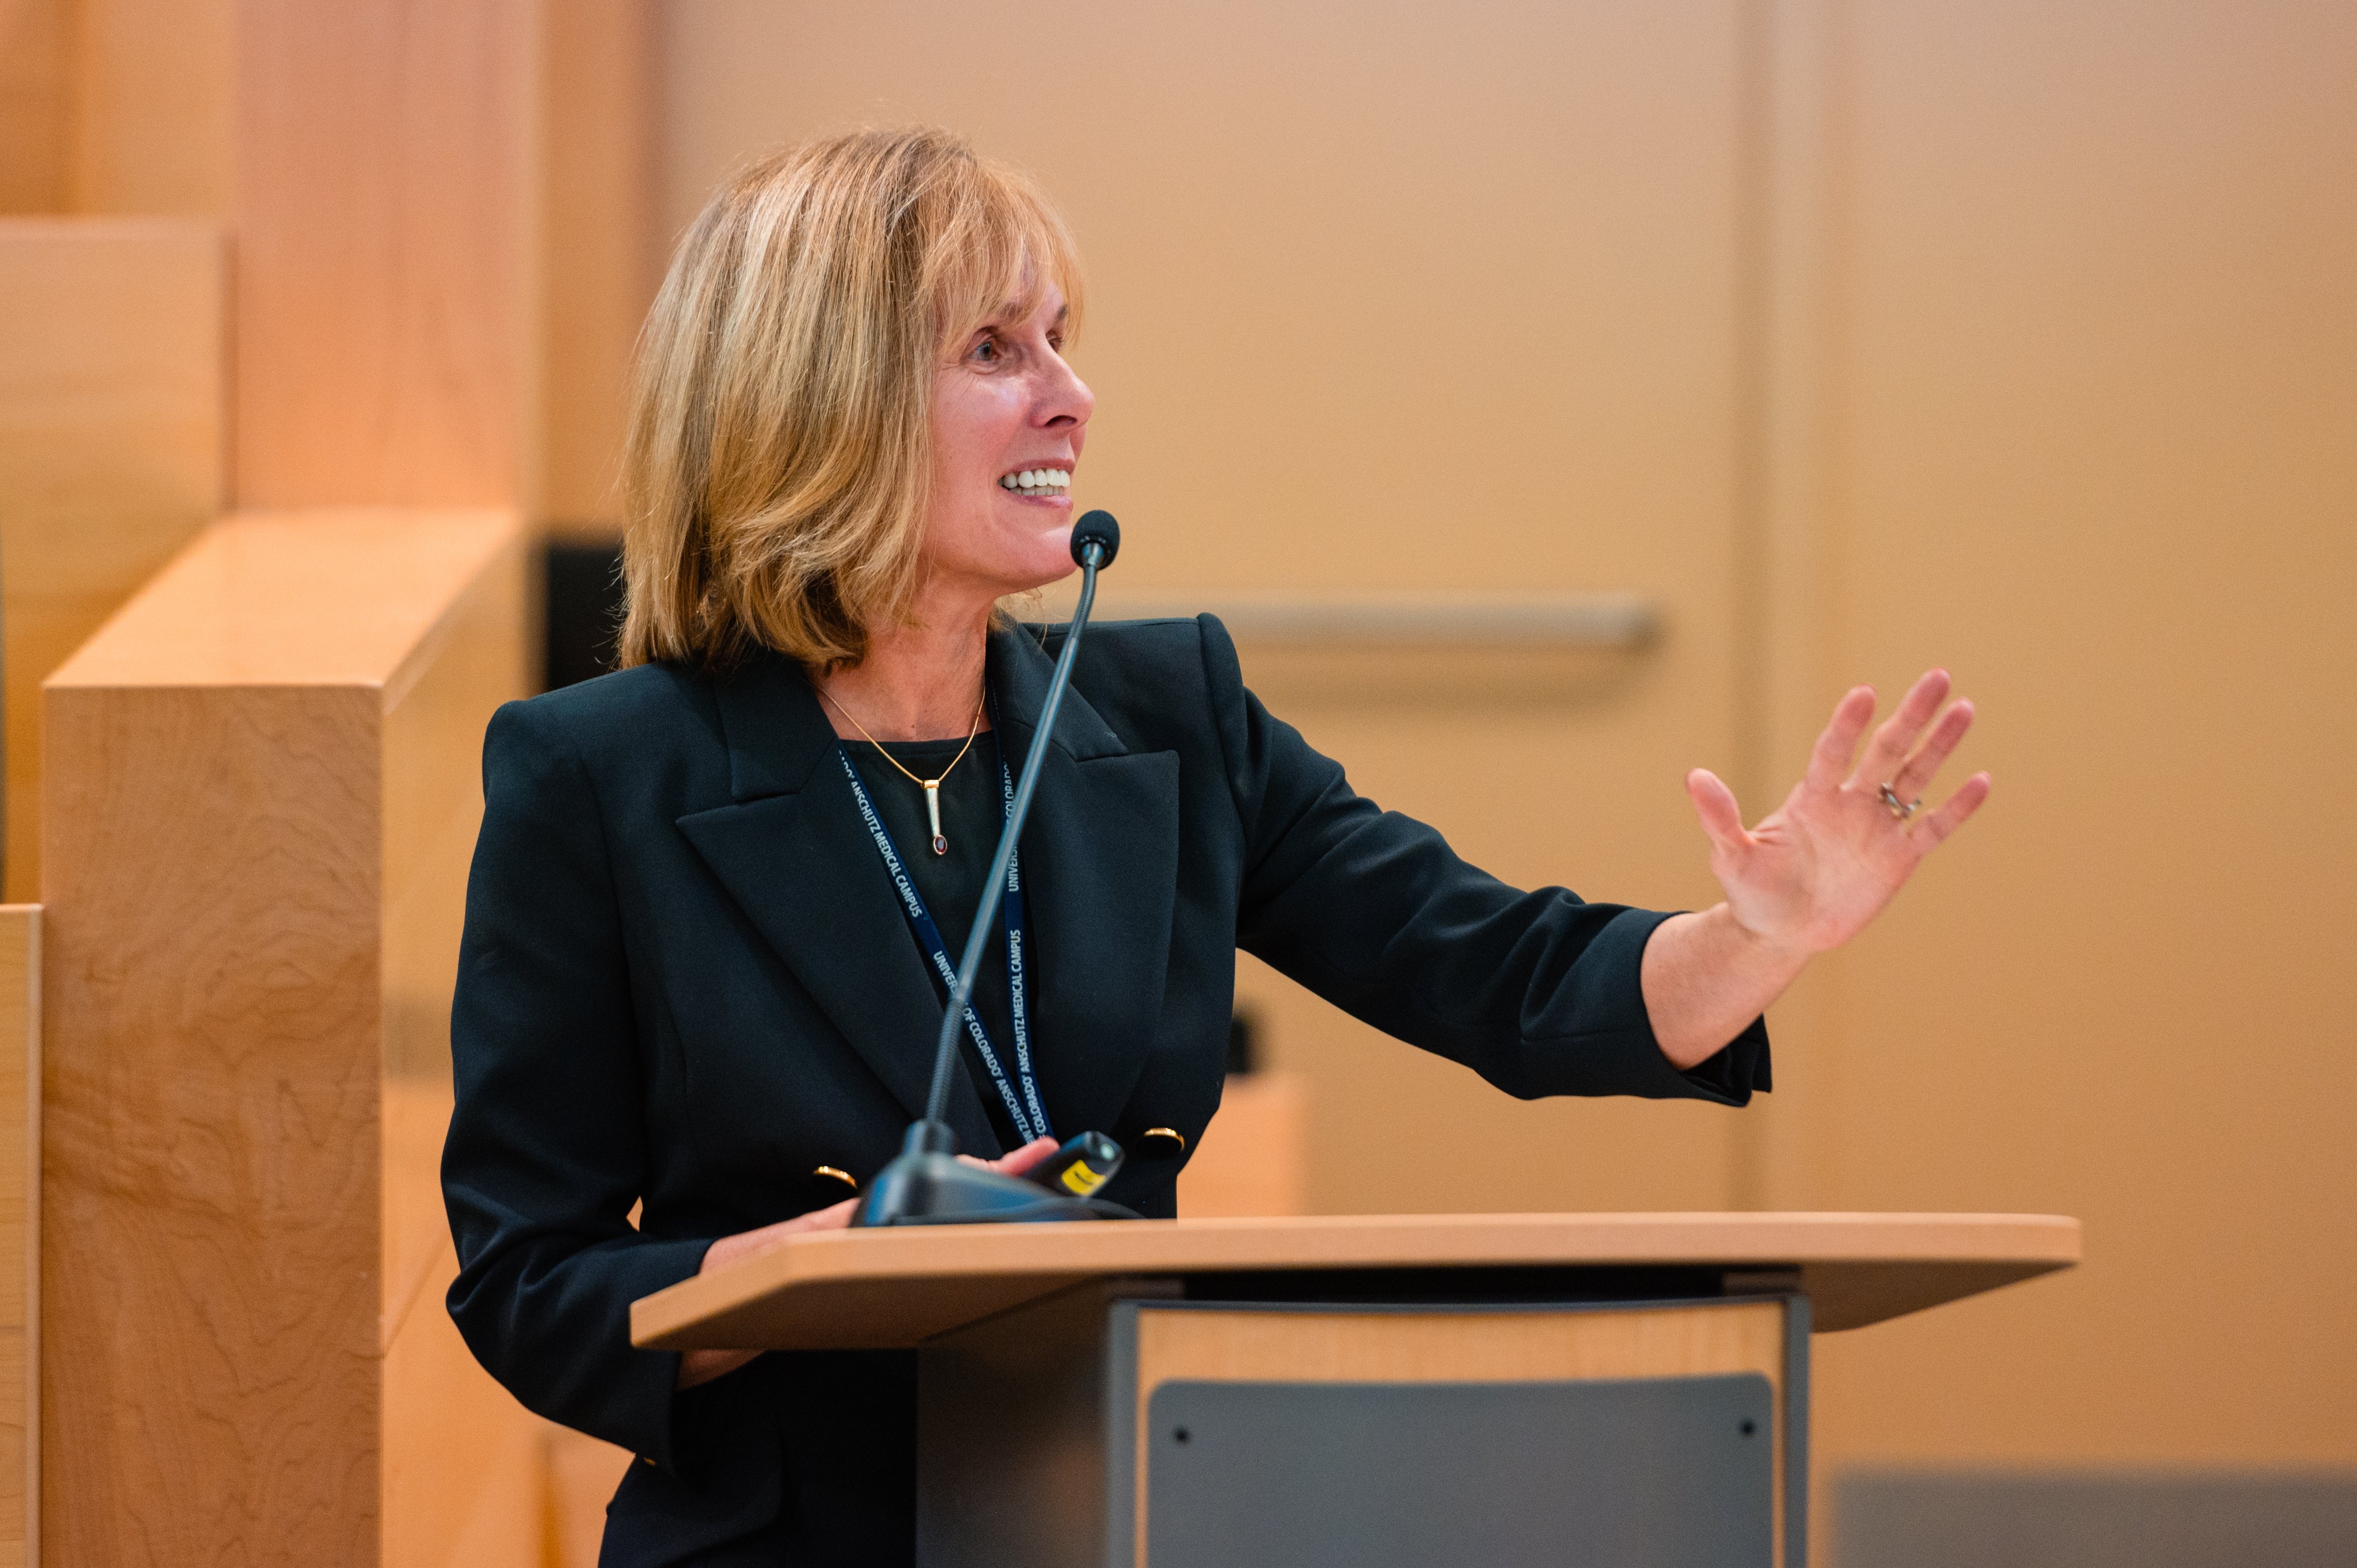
(1814, 871)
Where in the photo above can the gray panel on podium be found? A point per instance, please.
(1636, 1473)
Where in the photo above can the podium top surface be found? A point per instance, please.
(897, 1288)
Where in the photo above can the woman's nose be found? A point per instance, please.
(1066, 398)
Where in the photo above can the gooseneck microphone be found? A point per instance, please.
(927, 1184)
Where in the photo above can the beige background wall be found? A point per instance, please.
(2085, 406)
(1859, 336)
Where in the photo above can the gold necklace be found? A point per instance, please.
(932, 786)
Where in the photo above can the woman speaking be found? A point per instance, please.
(690, 982)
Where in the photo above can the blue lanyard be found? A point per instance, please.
(1031, 1117)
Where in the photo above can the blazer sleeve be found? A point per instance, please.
(547, 1148)
(1538, 992)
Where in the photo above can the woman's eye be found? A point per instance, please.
(987, 351)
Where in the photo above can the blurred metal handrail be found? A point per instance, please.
(1599, 620)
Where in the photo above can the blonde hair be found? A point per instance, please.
(778, 457)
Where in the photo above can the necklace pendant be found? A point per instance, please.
(933, 813)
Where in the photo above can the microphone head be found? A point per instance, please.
(1099, 529)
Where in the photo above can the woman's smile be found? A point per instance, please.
(1049, 483)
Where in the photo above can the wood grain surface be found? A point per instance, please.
(881, 1288)
(258, 803)
(20, 1318)
(384, 266)
(112, 395)
(154, 108)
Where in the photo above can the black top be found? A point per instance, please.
(685, 983)
(973, 809)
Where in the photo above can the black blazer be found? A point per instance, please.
(685, 983)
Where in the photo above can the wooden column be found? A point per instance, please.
(259, 804)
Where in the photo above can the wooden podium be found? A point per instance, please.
(1628, 1389)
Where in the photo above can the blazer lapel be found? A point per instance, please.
(1099, 872)
(792, 852)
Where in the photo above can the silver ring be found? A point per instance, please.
(1899, 810)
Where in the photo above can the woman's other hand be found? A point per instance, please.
(1812, 874)
(1815, 870)
(702, 1366)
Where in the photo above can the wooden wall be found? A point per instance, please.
(385, 268)
(117, 107)
(153, 121)
(382, 164)
(113, 423)
(116, 145)
(259, 800)
(429, 210)
(396, 219)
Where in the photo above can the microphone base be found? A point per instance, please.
(928, 1185)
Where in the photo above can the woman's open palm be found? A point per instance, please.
(1815, 870)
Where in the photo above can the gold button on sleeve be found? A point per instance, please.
(830, 1172)
(1162, 1141)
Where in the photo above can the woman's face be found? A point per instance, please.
(1009, 421)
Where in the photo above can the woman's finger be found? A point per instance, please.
(1829, 759)
(1714, 802)
(1920, 770)
(978, 1163)
(1897, 735)
(1019, 1161)
(1954, 809)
